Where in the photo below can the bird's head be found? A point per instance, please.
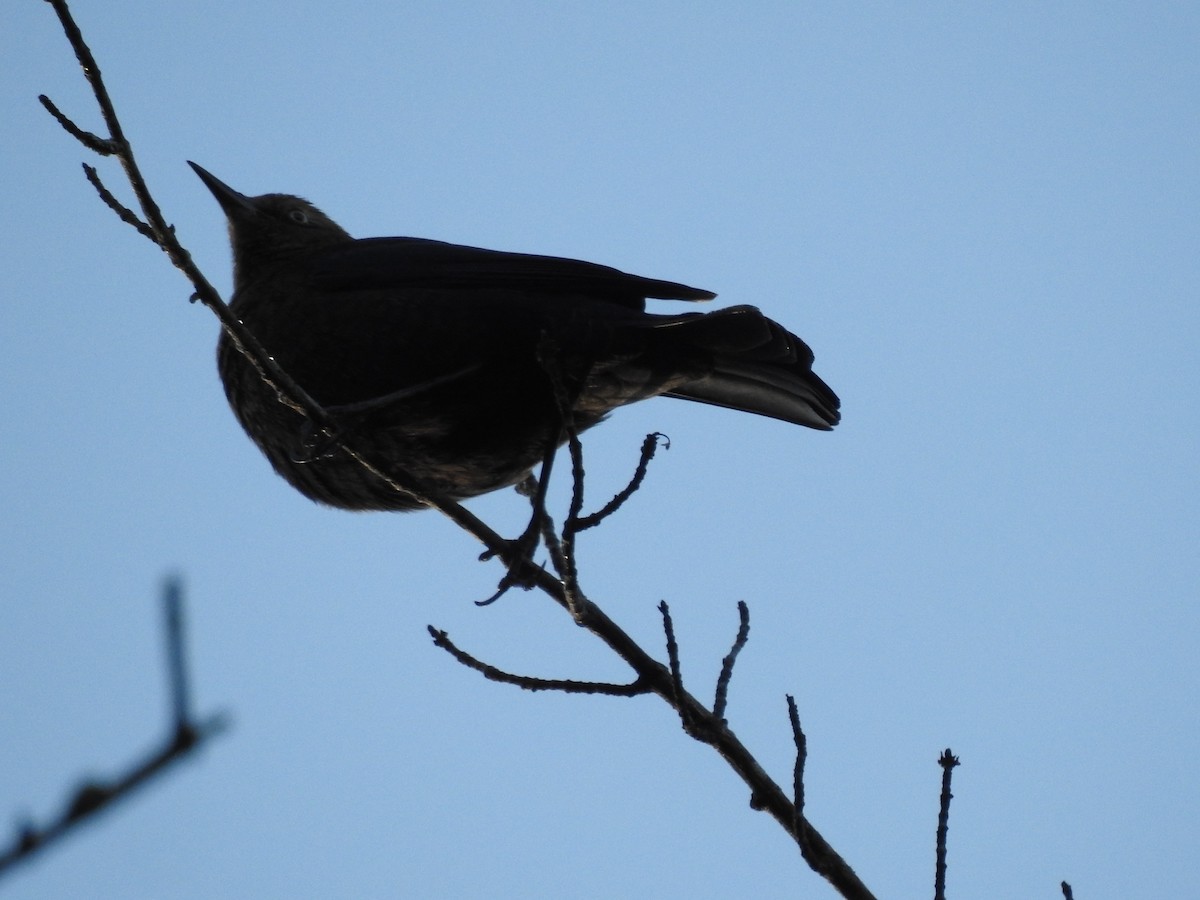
(270, 229)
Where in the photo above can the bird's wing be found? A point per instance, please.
(393, 262)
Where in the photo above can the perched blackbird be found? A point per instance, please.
(456, 363)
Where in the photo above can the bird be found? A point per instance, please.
(467, 367)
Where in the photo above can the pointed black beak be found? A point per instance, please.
(236, 205)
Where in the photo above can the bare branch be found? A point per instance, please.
(529, 683)
(947, 761)
(677, 692)
(649, 448)
(569, 572)
(128, 216)
(93, 142)
(801, 743)
(115, 144)
(185, 736)
(726, 675)
(1067, 894)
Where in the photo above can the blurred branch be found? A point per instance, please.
(651, 675)
(184, 738)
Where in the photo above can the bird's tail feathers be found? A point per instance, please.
(757, 366)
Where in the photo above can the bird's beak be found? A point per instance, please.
(235, 205)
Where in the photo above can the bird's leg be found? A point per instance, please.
(528, 540)
(550, 357)
(519, 552)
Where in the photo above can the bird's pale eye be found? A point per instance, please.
(299, 216)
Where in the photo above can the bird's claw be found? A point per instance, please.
(517, 556)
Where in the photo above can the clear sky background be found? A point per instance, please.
(983, 218)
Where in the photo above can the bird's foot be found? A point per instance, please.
(517, 556)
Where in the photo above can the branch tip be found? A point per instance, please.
(801, 742)
(947, 761)
(649, 448)
(530, 683)
(743, 635)
(95, 143)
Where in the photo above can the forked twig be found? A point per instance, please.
(649, 448)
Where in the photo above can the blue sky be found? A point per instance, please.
(982, 218)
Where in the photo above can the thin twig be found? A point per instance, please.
(124, 213)
(569, 686)
(801, 742)
(554, 544)
(677, 692)
(947, 761)
(93, 142)
(569, 572)
(649, 448)
(726, 675)
(1067, 894)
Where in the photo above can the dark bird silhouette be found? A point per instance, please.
(460, 365)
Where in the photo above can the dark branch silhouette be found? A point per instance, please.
(651, 676)
(947, 761)
(649, 448)
(708, 727)
(801, 743)
(529, 683)
(726, 675)
(185, 736)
